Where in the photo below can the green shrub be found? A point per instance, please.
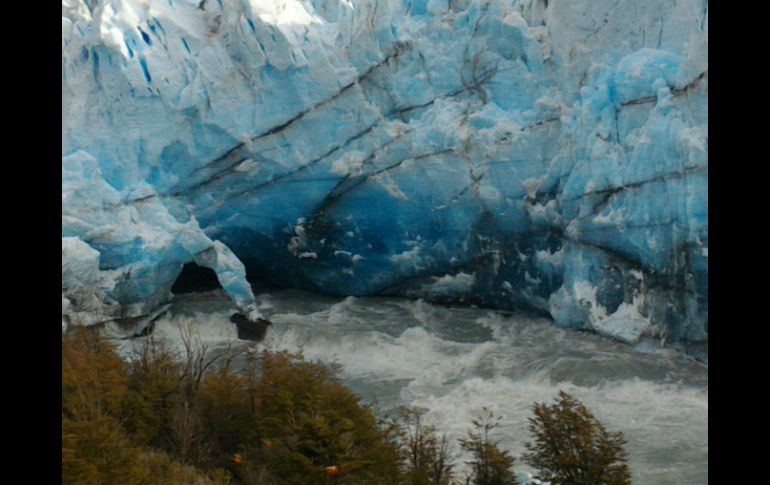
(572, 447)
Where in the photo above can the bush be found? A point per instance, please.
(95, 450)
(572, 447)
(98, 405)
(312, 429)
(490, 465)
(167, 418)
(94, 378)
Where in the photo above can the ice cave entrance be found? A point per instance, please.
(195, 278)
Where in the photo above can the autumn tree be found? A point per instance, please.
(170, 416)
(572, 447)
(425, 457)
(312, 429)
(101, 442)
(490, 465)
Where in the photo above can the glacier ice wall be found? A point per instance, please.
(544, 156)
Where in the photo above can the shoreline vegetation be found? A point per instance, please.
(163, 417)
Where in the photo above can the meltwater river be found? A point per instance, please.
(454, 361)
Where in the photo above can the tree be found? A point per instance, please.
(312, 429)
(100, 440)
(490, 465)
(572, 447)
(425, 457)
(171, 417)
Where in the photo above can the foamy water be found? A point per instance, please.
(454, 361)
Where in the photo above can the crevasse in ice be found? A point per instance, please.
(535, 155)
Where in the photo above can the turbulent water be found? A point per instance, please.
(454, 361)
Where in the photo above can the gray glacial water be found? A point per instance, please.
(453, 361)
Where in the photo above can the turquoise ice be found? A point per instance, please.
(543, 156)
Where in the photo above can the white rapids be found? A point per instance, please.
(454, 361)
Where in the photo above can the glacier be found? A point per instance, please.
(540, 156)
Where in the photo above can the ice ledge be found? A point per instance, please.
(123, 250)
